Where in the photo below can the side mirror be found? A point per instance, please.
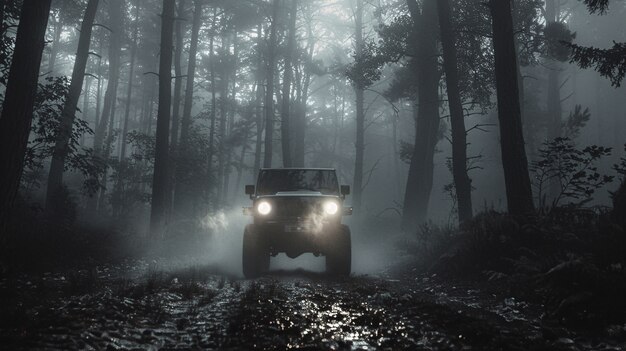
(250, 190)
(345, 190)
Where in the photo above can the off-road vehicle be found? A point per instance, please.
(295, 211)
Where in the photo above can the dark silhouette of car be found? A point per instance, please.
(296, 211)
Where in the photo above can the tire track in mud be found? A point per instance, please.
(360, 313)
(352, 314)
(194, 308)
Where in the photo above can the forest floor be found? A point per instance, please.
(139, 304)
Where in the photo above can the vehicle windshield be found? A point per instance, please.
(281, 180)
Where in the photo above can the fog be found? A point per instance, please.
(299, 84)
(313, 174)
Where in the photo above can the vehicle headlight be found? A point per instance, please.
(264, 208)
(331, 208)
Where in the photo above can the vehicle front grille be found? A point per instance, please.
(295, 207)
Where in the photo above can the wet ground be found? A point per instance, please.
(139, 305)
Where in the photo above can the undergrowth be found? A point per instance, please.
(572, 260)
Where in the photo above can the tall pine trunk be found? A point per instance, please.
(129, 88)
(231, 121)
(259, 101)
(213, 109)
(99, 86)
(102, 146)
(178, 52)
(19, 98)
(269, 93)
(110, 95)
(159, 207)
(285, 128)
(462, 182)
(553, 99)
(420, 179)
(514, 162)
(175, 123)
(54, 48)
(223, 121)
(61, 146)
(360, 113)
(182, 191)
(85, 109)
(300, 114)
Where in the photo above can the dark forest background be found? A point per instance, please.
(140, 121)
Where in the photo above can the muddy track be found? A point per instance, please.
(193, 308)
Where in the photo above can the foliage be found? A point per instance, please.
(576, 121)
(132, 176)
(620, 167)
(528, 20)
(610, 63)
(366, 68)
(597, 6)
(574, 169)
(7, 42)
(556, 35)
(619, 196)
(571, 261)
(47, 117)
(403, 83)
(193, 165)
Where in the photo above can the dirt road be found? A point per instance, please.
(138, 305)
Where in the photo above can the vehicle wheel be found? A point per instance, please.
(339, 253)
(256, 256)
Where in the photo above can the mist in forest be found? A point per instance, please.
(315, 174)
(146, 118)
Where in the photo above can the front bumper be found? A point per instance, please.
(296, 237)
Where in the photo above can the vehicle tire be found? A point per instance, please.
(339, 253)
(256, 256)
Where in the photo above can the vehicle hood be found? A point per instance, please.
(297, 194)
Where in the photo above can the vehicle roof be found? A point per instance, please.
(298, 168)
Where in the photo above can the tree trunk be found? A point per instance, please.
(242, 155)
(61, 146)
(462, 182)
(85, 108)
(420, 179)
(117, 210)
(131, 80)
(54, 48)
(285, 113)
(553, 99)
(178, 51)
(360, 113)
(300, 115)
(231, 120)
(259, 108)
(221, 154)
(102, 147)
(191, 72)
(175, 123)
(159, 207)
(17, 109)
(213, 107)
(514, 162)
(110, 96)
(269, 93)
(99, 87)
(181, 191)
